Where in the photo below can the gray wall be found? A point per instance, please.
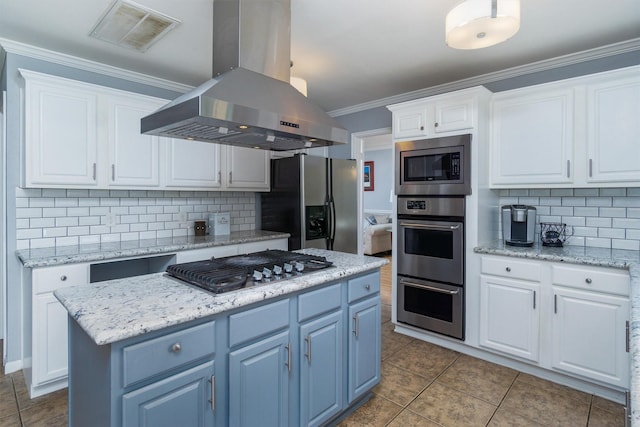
(378, 199)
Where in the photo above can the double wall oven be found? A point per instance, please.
(432, 184)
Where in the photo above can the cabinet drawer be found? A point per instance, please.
(320, 301)
(48, 279)
(164, 353)
(363, 286)
(509, 267)
(607, 280)
(258, 322)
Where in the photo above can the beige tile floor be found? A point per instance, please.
(422, 385)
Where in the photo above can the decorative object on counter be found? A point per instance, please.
(200, 228)
(518, 225)
(475, 24)
(219, 224)
(554, 233)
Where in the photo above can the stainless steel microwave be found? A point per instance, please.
(437, 166)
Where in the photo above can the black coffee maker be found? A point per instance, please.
(518, 225)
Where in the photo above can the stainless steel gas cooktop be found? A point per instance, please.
(220, 275)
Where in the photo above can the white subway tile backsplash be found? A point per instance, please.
(48, 217)
(601, 217)
(613, 192)
(631, 245)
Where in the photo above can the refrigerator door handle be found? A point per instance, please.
(332, 222)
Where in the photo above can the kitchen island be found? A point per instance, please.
(594, 257)
(150, 350)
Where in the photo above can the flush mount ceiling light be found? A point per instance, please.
(130, 25)
(475, 24)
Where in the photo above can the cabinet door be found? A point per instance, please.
(259, 383)
(180, 400)
(411, 123)
(509, 316)
(321, 366)
(454, 115)
(532, 138)
(192, 164)
(613, 129)
(133, 157)
(50, 361)
(589, 335)
(247, 168)
(364, 346)
(61, 134)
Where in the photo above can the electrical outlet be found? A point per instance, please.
(182, 217)
(110, 219)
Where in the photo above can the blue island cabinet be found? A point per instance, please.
(304, 359)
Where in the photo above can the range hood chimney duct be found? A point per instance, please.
(249, 101)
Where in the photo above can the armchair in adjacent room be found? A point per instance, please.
(377, 233)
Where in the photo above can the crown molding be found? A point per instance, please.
(632, 45)
(35, 52)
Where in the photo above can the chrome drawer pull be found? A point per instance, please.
(63, 278)
(508, 269)
(367, 287)
(588, 280)
(176, 347)
(430, 288)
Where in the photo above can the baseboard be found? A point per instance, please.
(10, 367)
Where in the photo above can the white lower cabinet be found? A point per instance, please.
(49, 364)
(509, 316)
(572, 319)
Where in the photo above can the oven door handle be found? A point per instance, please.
(430, 288)
(429, 227)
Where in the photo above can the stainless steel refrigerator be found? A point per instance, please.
(315, 200)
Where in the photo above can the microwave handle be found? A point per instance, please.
(430, 288)
(429, 227)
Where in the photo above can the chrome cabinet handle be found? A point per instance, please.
(508, 269)
(113, 172)
(568, 168)
(555, 304)
(220, 177)
(534, 300)
(588, 280)
(176, 348)
(421, 127)
(288, 347)
(367, 287)
(230, 180)
(308, 353)
(212, 381)
(355, 330)
(63, 278)
(430, 227)
(590, 168)
(94, 171)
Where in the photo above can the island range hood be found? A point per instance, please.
(249, 101)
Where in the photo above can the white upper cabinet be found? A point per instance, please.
(532, 137)
(193, 164)
(247, 169)
(454, 114)
(81, 135)
(57, 152)
(581, 132)
(133, 157)
(424, 118)
(613, 133)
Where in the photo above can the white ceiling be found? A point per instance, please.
(349, 51)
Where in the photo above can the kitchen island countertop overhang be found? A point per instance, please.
(119, 309)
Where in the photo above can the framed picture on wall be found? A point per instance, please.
(368, 177)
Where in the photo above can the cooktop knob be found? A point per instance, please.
(288, 268)
(266, 273)
(277, 270)
(299, 266)
(257, 276)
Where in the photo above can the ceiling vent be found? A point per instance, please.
(132, 26)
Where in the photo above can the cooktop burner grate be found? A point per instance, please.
(220, 275)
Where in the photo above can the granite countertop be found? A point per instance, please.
(46, 257)
(600, 257)
(118, 309)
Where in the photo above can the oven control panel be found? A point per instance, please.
(416, 204)
(432, 206)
